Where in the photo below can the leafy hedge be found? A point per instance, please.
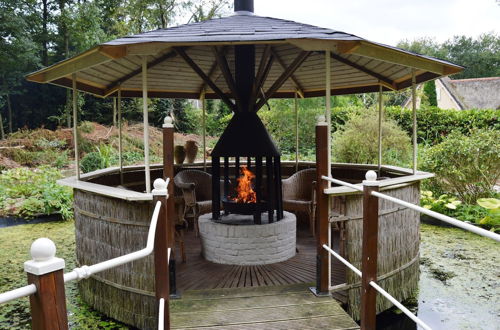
(465, 165)
(434, 124)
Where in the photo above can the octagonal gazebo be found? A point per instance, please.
(243, 60)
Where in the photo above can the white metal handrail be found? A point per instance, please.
(380, 290)
(86, 271)
(161, 314)
(439, 216)
(343, 183)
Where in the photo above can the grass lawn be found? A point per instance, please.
(15, 243)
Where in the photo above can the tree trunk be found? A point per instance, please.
(45, 36)
(2, 133)
(9, 108)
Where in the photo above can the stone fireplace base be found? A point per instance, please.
(236, 240)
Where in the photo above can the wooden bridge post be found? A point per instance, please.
(161, 246)
(168, 172)
(48, 304)
(369, 252)
(322, 221)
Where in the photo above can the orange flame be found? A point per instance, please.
(244, 189)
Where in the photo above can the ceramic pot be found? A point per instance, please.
(191, 150)
(179, 154)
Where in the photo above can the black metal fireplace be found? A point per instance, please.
(248, 143)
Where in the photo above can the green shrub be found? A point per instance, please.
(104, 156)
(357, 141)
(52, 157)
(28, 193)
(86, 127)
(467, 166)
(434, 124)
(91, 162)
(281, 125)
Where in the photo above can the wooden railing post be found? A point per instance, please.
(322, 221)
(369, 252)
(48, 304)
(161, 247)
(168, 172)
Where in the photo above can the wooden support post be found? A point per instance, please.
(162, 243)
(414, 116)
(120, 135)
(369, 252)
(75, 125)
(45, 271)
(168, 173)
(204, 129)
(145, 119)
(322, 221)
(380, 115)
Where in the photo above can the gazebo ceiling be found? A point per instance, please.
(186, 60)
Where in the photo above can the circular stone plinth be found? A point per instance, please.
(235, 240)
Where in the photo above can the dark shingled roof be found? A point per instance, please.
(246, 27)
(236, 28)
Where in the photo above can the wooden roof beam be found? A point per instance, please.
(266, 62)
(204, 77)
(211, 72)
(383, 80)
(284, 76)
(228, 76)
(294, 80)
(113, 87)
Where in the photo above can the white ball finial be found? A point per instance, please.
(160, 184)
(160, 187)
(43, 249)
(322, 120)
(168, 122)
(371, 176)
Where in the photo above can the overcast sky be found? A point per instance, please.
(389, 21)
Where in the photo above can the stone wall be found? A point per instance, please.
(248, 244)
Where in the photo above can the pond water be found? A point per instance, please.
(13, 221)
(459, 284)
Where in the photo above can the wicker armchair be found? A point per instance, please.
(196, 187)
(299, 194)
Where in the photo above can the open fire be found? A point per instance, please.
(245, 191)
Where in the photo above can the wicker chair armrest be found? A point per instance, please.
(288, 187)
(185, 185)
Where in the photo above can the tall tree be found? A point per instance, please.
(17, 51)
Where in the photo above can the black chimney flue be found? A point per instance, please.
(243, 5)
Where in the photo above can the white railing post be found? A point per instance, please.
(161, 246)
(369, 252)
(45, 271)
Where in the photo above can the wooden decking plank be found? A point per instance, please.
(263, 307)
(247, 315)
(246, 292)
(324, 322)
(237, 303)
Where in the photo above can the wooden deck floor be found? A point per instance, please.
(199, 274)
(265, 307)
